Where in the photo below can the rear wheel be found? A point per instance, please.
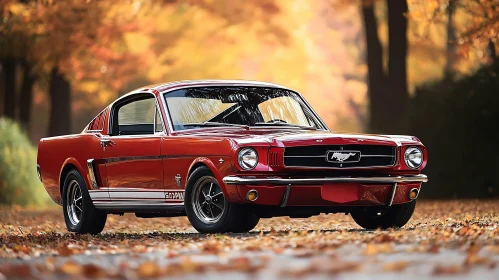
(80, 214)
(374, 217)
(207, 208)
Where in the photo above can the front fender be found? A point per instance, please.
(213, 168)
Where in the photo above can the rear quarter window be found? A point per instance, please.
(97, 124)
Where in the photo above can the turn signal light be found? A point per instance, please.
(413, 194)
(252, 195)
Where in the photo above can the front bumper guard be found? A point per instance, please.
(235, 180)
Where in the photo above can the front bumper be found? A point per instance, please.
(313, 181)
(351, 191)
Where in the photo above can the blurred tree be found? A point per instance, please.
(26, 98)
(87, 44)
(377, 80)
(9, 54)
(53, 38)
(477, 28)
(397, 64)
(483, 30)
(388, 91)
(451, 55)
(9, 70)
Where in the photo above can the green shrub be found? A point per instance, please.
(19, 182)
(458, 122)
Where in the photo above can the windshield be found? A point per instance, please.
(238, 106)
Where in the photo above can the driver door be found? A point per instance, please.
(132, 153)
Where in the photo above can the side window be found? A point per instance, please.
(137, 117)
(158, 122)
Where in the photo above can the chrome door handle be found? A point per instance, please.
(105, 142)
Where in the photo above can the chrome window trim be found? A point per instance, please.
(162, 89)
(117, 101)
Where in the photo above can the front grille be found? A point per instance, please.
(340, 156)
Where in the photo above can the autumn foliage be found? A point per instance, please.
(358, 63)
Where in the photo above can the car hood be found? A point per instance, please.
(298, 137)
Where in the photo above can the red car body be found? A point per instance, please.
(146, 172)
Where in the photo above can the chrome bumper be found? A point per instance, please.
(317, 181)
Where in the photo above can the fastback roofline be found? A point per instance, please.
(161, 89)
(166, 87)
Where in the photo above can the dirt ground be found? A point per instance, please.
(444, 239)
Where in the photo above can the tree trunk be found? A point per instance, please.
(492, 51)
(376, 76)
(26, 98)
(60, 104)
(451, 41)
(397, 63)
(9, 69)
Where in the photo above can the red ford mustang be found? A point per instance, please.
(226, 153)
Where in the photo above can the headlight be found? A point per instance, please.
(247, 158)
(413, 157)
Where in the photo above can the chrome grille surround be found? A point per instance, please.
(316, 156)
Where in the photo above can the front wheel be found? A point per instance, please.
(207, 208)
(374, 217)
(80, 214)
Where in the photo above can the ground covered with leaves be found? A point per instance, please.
(455, 239)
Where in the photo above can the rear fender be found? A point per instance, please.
(83, 171)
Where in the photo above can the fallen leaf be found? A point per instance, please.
(447, 270)
(71, 268)
(64, 250)
(434, 249)
(149, 269)
(94, 271)
(396, 266)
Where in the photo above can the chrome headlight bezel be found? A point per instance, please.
(413, 157)
(251, 160)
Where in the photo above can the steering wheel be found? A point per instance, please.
(277, 121)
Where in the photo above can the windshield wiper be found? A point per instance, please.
(216, 124)
(284, 124)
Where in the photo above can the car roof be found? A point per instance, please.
(188, 83)
(161, 88)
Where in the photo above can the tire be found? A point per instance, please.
(81, 216)
(391, 217)
(246, 223)
(207, 208)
